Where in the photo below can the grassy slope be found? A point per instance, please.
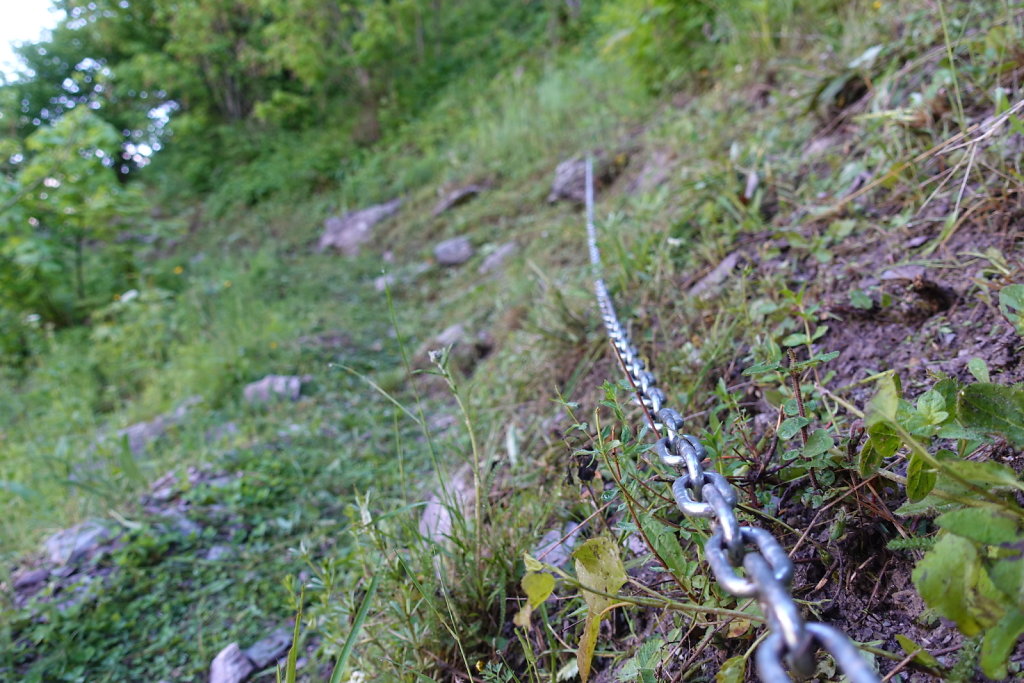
(331, 484)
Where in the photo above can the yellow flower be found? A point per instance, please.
(227, 283)
(117, 297)
(877, 4)
(273, 345)
(178, 270)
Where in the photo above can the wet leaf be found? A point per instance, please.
(599, 567)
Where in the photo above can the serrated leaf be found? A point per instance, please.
(818, 442)
(790, 427)
(599, 567)
(538, 587)
(983, 525)
(733, 670)
(999, 643)
(993, 408)
(920, 478)
(923, 657)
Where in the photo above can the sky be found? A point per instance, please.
(21, 21)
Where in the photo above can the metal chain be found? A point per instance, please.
(791, 641)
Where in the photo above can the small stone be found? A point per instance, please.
(29, 579)
(436, 521)
(496, 259)
(182, 524)
(453, 252)
(71, 545)
(217, 553)
(230, 666)
(265, 652)
(903, 273)
(708, 284)
(141, 434)
(457, 198)
(452, 334)
(271, 386)
(570, 176)
(347, 233)
(552, 549)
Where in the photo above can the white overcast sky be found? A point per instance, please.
(22, 21)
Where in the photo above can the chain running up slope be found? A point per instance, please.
(791, 641)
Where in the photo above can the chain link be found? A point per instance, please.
(791, 641)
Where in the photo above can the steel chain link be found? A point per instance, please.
(791, 641)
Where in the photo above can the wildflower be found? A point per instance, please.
(227, 283)
(178, 270)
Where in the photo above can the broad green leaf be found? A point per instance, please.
(999, 643)
(598, 566)
(532, 564)
(818, 442)
(733, 670)
(931, 405)
(952, 581)
(920, 478)
(537, 586)
(666, 545)
(993, 408)
(886, 402)
(870, 459)
(1008, 576)
(858, 299)
(979, 369)
(923, 657)
(1011, 304)
(983, 525)
(790, 427)
(986, 473)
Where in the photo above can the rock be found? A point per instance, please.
(656, 170)
(450, 335)
(265, 652)
(347, 233)
(453, 252)
(30, 579)
(271, 386)
(457, 198)
(141, 434)
(496, 259)
(908, 272)
(230, 666)
(217, 553)
(459, 494)
(570, 176)
(708, 284)
(182, 524)
(220, 432)
(74, 544)
(555, 551)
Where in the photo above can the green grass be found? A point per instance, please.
(331, 487)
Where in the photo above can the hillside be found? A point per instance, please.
(305, 370)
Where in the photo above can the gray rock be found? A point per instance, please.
(72, 545)
(26, 580)
(709, 284)
(496, 259)
(451, 335)
(218, 552)
(273, 386)
(908, 272)
(458, 495)
(265, 652)
(141, 434)
(556, 546)
(457, 198)
(453, 252)
(570, 176)
(347, 233)
(230, 666)
(182, 524)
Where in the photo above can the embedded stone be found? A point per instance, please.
(230, 666)
(453, 252)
